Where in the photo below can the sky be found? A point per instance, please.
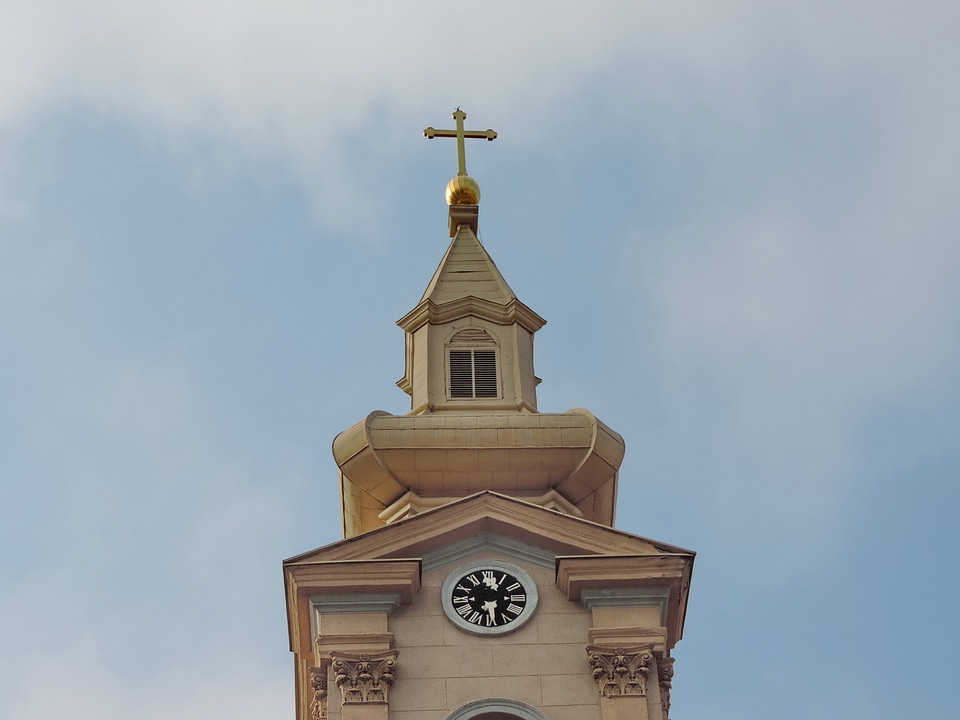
(739, 219)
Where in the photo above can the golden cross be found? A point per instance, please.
(459, 115)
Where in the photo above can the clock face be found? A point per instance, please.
(489, 597)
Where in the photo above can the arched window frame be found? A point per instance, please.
(499, 708)
(472, 360)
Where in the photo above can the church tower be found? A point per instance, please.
(480, 575)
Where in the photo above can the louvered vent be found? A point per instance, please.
(484, 373)
(461, 373)
(473, 374)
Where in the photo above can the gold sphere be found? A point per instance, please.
(463, 190)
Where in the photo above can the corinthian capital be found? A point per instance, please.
(665, 676)
(364, 677)
(620, 670)
(318, 682)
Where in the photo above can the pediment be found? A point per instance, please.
(488, 517)
(595, 566)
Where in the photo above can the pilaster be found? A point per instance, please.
(364, 680)
(318, 689)
(622, 675)
(665, 678)
(649, 590)
(343, 607)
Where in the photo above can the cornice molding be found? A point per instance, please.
(338, 577)
(350, 603)
(512, 312)
(657, 597)
(620, 637)
(308, 580)
(352, 643)
(599, 574)
(488, 511)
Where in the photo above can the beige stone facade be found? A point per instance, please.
(472, 487)
(603, 595)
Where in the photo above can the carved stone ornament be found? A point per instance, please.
(318, 705)
(364, 677)
(620, 671)
(665, 675)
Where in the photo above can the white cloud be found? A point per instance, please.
(292, 80)
(783, 334)
(815, 285)
(302, 83)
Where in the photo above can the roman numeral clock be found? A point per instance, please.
(489, 597)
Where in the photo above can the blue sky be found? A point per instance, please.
(740, 220)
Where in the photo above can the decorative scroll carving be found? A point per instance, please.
(364, 677)
(620, 671)
(665, 676)
(318, 681)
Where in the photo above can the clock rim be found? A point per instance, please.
(457, 574)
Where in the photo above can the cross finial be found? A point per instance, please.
(459, 115)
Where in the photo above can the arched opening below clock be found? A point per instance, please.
(496, 709)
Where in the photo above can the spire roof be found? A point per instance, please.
(466, 270)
